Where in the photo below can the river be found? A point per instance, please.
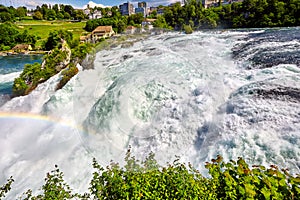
(10, 68)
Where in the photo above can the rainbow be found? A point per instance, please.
(37, 117)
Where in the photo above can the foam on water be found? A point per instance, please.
(172, 94)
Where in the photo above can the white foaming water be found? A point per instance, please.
(4, 78)
(172, 94)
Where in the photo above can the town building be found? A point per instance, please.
(178, 2)
(153, 9)
(142, 8)
(95, 15)
(22, 48)
(87, 11)
(126, 8)
(211, 3)
(102, 32)
(142, 4)
(130, 30)
(160, 11)
(148, 23)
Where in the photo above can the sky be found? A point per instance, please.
(79, 3)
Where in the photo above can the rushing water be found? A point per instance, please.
(233, 93)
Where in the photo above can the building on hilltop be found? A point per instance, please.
(160, 11)
(22, 48)
(142, 4)
(95, 15)
(178, 2)
(101, 32)
(148, 23)
(130, 30)
(140, 10)
(211, 3)
(126, 8)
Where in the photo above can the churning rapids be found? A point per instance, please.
(233, 93)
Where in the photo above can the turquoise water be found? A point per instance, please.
(11, 66)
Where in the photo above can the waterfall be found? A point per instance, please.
(194, 96)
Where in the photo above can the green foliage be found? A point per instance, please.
(135, 19)
(55, 38)
(28, 79)
(37, 15)
(236, 180)
(119, 23)
(160, 22)
(6, 187)
(50, 15)
(35, 74)
(249, 13)
(55, 187)
(10, 36)
(53, 59)
(67, 74)
(188, 29)
(7, 14)
(80, 51)
(148, 180)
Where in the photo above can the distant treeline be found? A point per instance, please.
(246, 14)
(11, 35)
(44, 12)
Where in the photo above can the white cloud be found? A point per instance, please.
(93, 4)
(157, 2)
(32, 3)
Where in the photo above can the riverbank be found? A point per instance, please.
(10, 53)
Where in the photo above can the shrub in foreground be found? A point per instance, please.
(148, 180)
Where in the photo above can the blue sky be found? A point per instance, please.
(79, 3)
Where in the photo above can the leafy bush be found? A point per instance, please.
(81, 51)
(188, 29)
(28, 79)
(55, 37)
(34, 74)
(6, 187)
(10, 36)
(67, 74)
(148, 180)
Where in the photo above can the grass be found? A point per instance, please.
(42, 28)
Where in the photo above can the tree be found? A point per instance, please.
(50, 15)
(37, 15)
(55, 37)
(160, 22)
(135, 19)
(8, 34)
(5, 17)
(19, 87)
(44, 10)
(21, 12)
(67, 15)
(56, 8)
(60, 15)
(69, 9)
(79, 15)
